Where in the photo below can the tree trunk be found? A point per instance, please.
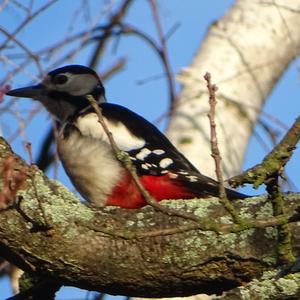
(246, 52)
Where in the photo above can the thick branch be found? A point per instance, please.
(132, 252)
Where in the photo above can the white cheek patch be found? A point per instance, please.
(77, 84)
(89, 125)
(82, 84)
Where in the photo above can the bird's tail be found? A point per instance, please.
(231, 194)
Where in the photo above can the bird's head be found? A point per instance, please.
(63, 91)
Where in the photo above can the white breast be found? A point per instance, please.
(88, 158)
(91, 166)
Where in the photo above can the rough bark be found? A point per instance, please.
(268, 289)
(146, 253)
(246, 52)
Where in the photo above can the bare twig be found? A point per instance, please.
(30, 17)
(114, 21)
(279, 220)
(29, 151)
(116, 67)
(163, 53)
(215, 149)
(128, 29)
(34, 57)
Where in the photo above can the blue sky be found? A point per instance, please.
(148, 99)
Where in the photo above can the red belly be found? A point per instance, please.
(127, 195)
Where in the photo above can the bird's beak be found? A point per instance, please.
(33, 92)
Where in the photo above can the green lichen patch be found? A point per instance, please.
(269, 260)
(51, 200)
(265, 211)
(192, 205)
(288, 286)
(269, 288)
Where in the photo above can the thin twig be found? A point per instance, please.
(34, 57)
(28, 148)
(30, 17)
(163, 53)
(215, 149)
(113, 69)
(114, 21)
(128, 29)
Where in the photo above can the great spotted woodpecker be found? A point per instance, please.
(87, 155)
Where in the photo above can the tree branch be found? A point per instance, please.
(273, 162)
(120, 251)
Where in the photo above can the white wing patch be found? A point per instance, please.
(183, 172)
(164, 163)
(145, 167)
(192, 178)
(143, 154)
(158, 151)
(88, 125)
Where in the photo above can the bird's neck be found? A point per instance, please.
(64, 107)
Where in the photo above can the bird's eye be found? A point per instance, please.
(60, 79)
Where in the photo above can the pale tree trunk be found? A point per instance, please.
(246, 52)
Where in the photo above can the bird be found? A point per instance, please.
(87, 155)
